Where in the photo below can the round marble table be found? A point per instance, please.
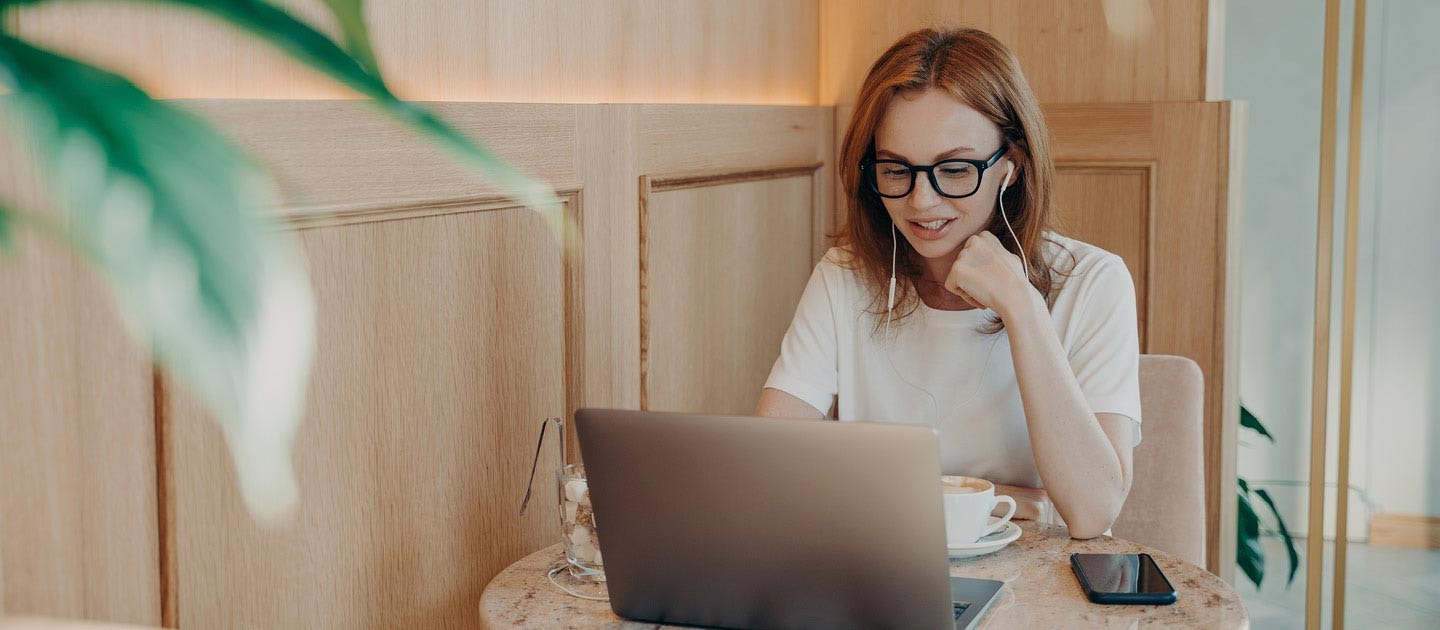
(1040, 591)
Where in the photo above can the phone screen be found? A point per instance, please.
(1122, 573)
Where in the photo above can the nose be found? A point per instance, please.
(923, 195)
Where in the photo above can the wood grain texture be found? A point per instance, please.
(344, 156)
(725, 148)
(606, 161)
(441, 347)
(555, 51)
(443, 341)
(725, 265)
(49, 623)
(1192, 273)
(1117, 201)
(348, 173)
(1072, 52)
(77, 473)
(1399, 530)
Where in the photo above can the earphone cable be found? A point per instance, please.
(889, 358)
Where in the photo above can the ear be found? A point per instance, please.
(1014, 176)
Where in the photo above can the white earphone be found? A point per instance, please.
(1009, 170)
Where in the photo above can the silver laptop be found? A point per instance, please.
(739, 522)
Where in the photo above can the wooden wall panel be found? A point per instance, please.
(556, 51)
(344, 156)
(708, 172)
(77, 457)
(1079, 51)
(1191, 275)
(725, 265)
(369, 489)
(1109, 205)
(441, 348)
(607, 374)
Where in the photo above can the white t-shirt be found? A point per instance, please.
(832, 349)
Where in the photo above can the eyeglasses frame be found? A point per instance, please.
(868, 164)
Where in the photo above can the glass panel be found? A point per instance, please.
(1273, 60)
(1392, 576)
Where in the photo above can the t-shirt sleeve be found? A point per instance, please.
(1105, 355)
(807, 368)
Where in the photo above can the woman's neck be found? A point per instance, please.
(931, 286)
(938, 269)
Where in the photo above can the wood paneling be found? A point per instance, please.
(1109, 205)
(77, 457)
(608, 372)
(441, 347)
(724, 262)
(1192, 272)
(1072, 52)
(556, 51)
(430, 291)
(344, 157)
(44, 623)
(712, 170)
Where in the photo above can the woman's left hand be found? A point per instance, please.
(987, 275)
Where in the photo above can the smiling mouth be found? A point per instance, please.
(932, 225)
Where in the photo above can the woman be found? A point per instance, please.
(949, 303)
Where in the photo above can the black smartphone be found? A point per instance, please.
(1122, 578)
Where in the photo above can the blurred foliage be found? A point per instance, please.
(171, 214)
(1249, 554)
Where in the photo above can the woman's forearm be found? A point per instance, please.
(1077, 461)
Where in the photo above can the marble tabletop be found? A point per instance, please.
(1040, 591)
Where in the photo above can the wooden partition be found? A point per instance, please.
(448, 328)
(1076, 51)
(450, 324)
(78, 507)
(1158, 184)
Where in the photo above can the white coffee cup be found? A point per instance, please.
(968, 504)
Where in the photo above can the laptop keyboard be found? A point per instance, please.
(960, 608)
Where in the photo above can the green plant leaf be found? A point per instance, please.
(1244, 485)
(1249, 421)
(351, 16)
(1249, 555)
(171, 214)
(7, 232)
(1290, 549)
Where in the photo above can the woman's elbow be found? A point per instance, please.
(1092, 523)
(1085, 530)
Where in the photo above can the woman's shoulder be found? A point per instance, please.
(839, 257)
(839, 264)
(1082, 264)
(840, 272)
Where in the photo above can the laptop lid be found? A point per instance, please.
(758, 522)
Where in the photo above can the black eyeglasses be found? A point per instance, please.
(955, 179)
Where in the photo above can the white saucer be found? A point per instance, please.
(987, 544)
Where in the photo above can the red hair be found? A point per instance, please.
(979, 71)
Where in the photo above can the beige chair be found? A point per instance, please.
(1166, 508)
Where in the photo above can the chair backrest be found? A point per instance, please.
(1166, 507)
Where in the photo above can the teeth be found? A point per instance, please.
(933, 225)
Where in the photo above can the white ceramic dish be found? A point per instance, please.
(987, 544)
